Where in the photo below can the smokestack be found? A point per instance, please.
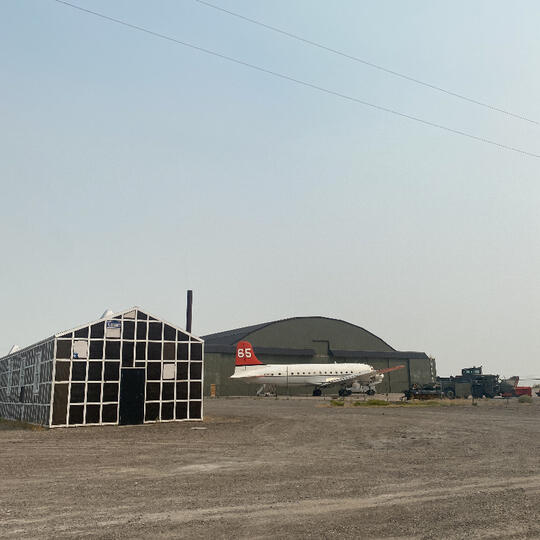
(189, 310)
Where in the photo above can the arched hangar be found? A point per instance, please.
(310, 340)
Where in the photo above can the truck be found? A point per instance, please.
(471, 382)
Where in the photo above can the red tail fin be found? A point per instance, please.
(245, 356)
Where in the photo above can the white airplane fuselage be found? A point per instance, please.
(303, 374)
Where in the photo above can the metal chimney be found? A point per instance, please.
(189, 310)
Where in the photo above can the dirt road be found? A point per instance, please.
(266, 468)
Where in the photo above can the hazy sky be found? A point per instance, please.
(133, 169)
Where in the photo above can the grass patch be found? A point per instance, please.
(439, 403)
(337, 403)
(371, 403)
(411, 403)
(383, 403)
(427, 403)
(525, 399)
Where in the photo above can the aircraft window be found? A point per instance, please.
(303, 372)
(279, 373)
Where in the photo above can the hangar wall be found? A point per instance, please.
(310, 340)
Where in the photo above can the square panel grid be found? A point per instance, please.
(89, 388)
(25, 384)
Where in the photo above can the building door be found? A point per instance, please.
(132, 396)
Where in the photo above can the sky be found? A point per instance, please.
(134, 168)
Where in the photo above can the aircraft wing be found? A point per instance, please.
(388, 370)
(367, 377)
(345, 378)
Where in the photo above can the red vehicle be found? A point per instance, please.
(523, 391)
(516, 390)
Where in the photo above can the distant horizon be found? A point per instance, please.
(530, 378)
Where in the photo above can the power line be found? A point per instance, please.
(297, 81)
(366, 62)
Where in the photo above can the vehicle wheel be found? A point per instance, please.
(348, 392)
(450, 394)
(317, 392)
(477, 391)
(371, 392)
(341, 392)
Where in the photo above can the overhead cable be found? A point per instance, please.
(297, 81)
(366, 62)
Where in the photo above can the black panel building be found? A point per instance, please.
(125, 368)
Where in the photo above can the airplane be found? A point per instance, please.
(363, 377)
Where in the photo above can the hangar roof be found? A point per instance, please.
(231, 337)
(379, 354)
(300, 334)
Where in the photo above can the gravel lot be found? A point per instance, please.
(267, 468)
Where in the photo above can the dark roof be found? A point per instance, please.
(379, 354)
(231, 349)
(232, 337)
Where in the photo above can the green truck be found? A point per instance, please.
(472, 382)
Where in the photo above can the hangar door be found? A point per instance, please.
(132, 396)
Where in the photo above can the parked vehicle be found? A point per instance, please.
(471, 382)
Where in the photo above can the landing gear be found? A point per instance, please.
(344, 392)
(370, 392)
(267, 390)
(317, 392)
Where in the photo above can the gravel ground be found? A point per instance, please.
(267, 468)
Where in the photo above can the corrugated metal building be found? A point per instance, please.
(125, 368)
(310, 340)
